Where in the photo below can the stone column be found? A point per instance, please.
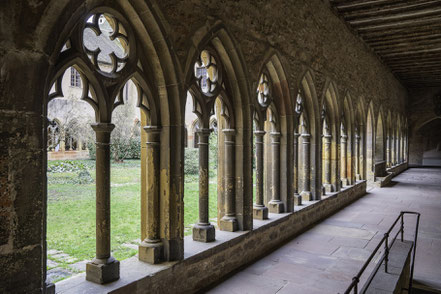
(327, 163)
(229, 220)
(104, 268)
(151, 248)
(259, 209)
(393, 151)
(388, 149)
(306, 179)
(275, 205)
(297, 197)
(398, 150)
(344, 169)
(203, 231)
(357, 157)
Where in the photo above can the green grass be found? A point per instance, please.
(71, 209)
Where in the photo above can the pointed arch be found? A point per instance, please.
(370, 142)
(329, 104)
(159, 66)
(236, 83)
(380, 136)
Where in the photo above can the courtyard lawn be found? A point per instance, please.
(71, 209)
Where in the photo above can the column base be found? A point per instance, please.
(276, 206)
(260, 212)
(358, 177)
(151, 252)
(229, 224)
(102, 271)
(345, 182)
(49, 288)
(328, 188)
(297, 199)
(306, 195)
(204, 233)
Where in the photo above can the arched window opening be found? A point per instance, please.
(70, 180)
(379, 140)
(326, 152)
(216, 144)
(111, 74)
(344, 178)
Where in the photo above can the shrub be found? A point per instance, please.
(120, 149)
(191, 161)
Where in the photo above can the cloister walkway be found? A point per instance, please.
(325, 258)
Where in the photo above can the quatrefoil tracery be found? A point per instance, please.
(299, 104)
(206, 73)
(106, 43)
(263, 91)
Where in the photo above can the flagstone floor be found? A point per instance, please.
(325, 258)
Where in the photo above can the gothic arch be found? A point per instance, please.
(237, 94)
(311, 112)
(330, 107)
(156, 71)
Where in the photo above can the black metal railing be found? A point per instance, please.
(385, 257)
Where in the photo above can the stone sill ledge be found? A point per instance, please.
(202, 261)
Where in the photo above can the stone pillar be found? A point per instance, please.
(327, 163)
(393, 151)
(398, 150)
(151, 248)
(306, 179)
(344, 168)
(259, 209)
(357, 157)
(104, 268)
(388, 151)
(203, 231)
(275, 205)
(229, 220)
(297, 197)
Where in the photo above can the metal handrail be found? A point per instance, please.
(385, 257)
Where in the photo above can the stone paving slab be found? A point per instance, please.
(325, 258)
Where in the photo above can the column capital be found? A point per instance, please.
(305, 135)
(102, 127)
(229, 132)
(259, 133)
(327, 136)
(204, 132)
(152, 129)
(275, 134)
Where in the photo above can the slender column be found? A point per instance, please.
(327, 163)
(203, 231)
(344, 169)
(275, 205)
(229, 220)
(398, 150)
(151, 248)
(297, 197)
(388, 150)
(259, 209)
(104, 268)
(357, 157)
(306, 180)
(394, 151)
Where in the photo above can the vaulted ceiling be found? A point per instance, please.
(405, 34)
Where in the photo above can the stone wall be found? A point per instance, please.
(205, 266)
(305, 34)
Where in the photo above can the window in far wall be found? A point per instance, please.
(75, 79)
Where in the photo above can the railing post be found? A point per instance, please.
(356, 280)
(386, 248)
(402, 227)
